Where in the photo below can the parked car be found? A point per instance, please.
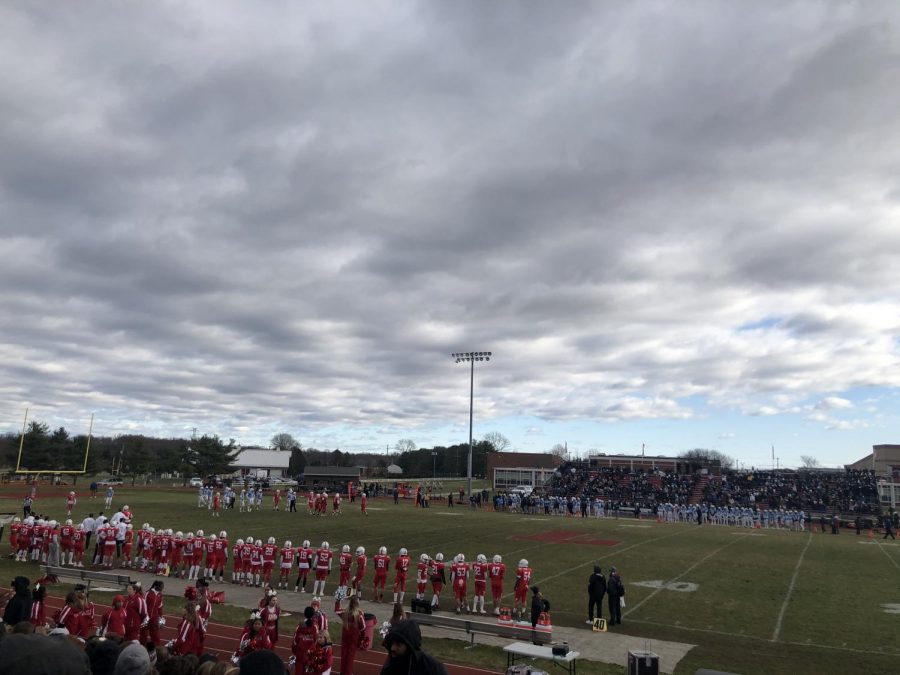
(106, 482)
(523, 490)
(196, 481)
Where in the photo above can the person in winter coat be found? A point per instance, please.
(538, 605)
(615, 590)
(404, 645)
(596, 591)
(19, 606)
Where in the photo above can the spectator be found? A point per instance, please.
(615, 590)
(596, 591)
(133, 660)
(404, 645)
(41, 655)
(19, 606)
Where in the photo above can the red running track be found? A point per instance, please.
(222, 640)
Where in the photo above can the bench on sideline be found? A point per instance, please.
(473, 627)
(87, 576)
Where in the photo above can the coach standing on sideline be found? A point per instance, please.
(596, 591)
(615, 591)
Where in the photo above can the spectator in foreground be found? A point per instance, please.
(19, 606)
(41, 655)
(404, 645)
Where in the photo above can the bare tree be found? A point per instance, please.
(701, 457)
(497, 440)
(283, 442)
(405, 445)
(809, 462)
(560, 451)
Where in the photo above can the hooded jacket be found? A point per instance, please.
(416, 662)
(19, 606)
(596, 583)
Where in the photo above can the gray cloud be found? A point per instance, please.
(249, 219)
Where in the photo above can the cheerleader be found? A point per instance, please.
(189, 639)
(321, 655)
(253, 639)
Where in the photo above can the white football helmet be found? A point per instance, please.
(68, 521)
(523, 563)
(145, 526)
(169, 532)
(382, 550)
(498, 559)
(223, 534)
(461, 557)
(190, 535)
(124, 508)
(306, 543)
(271, 540)
(239, 542)
(424, 557)
(199, 533)
(403, 551)
(439, 557)
(212, 537)
(288, 544)
(129, 527)
(345, 548)
(179, 535)
(325, 545)
(360, 550)
(72, 493)
(481, 558)
(259, 542)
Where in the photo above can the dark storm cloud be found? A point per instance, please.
(251, 218)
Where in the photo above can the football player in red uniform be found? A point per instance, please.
(401, 567)
(287, 562)
(345, 560)
(459, 575)
(269, 550)
(65, 541)
(221, 556)
(304, 564)
(70, 504)
(496, 571)
(324, 556)
(236, 574)
(422, 576)
(361, 561)
(382, 563)
(479, 574)
(438, 579)
(523, 581)
(256, 562)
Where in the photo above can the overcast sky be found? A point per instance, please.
(673, 223)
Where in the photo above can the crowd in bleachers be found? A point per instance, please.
(848, 492)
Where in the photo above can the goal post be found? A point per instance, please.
(87, 450)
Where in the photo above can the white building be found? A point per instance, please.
(263, 463)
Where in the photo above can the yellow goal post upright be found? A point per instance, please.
(87, 451)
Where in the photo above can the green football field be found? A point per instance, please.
(753, 601)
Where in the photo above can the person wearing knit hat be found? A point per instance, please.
(133, 660)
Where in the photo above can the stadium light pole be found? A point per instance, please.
(471, 358)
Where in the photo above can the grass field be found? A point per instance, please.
(752, 601)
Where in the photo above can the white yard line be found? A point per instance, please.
(889, 556)
(759, 639)
(594, 561)
(634, 608)
(790, 590)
